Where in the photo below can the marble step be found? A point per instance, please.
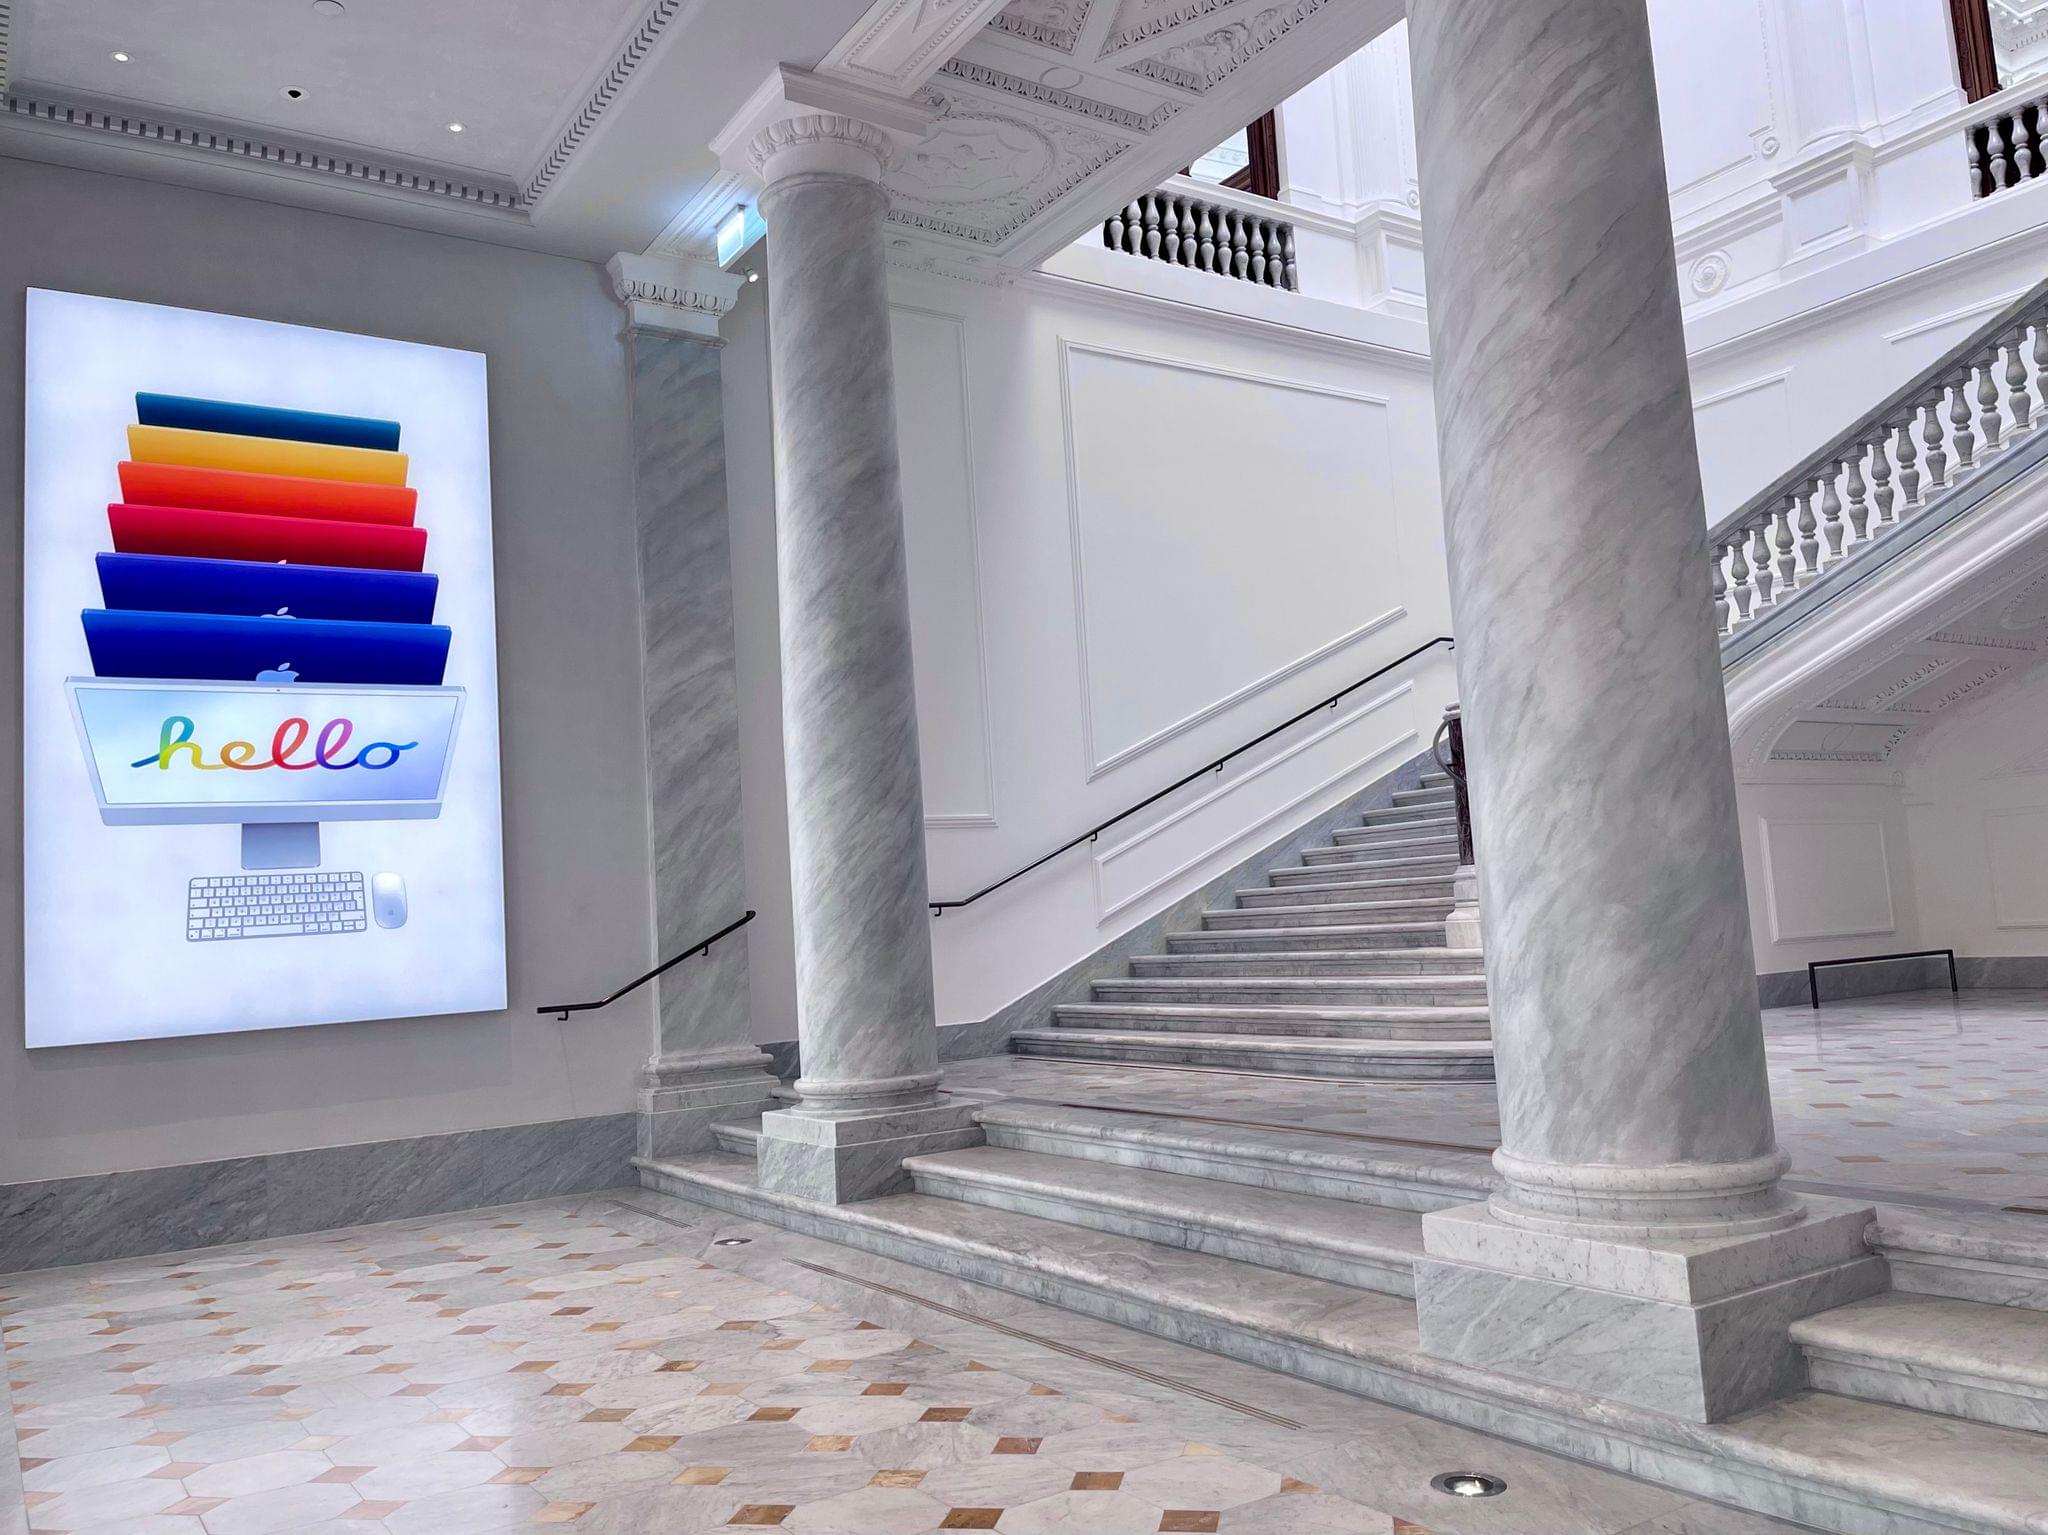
(1434, 811)
(1432, 781)
(1360, 1245)
(1428, 829)
(1454, 991)
(1399, 852)
(1830, 1462)
(1958, 1357)
(1361, 887)
(1439, 794)
(1367, 935)
(1281, 1158)
(1406, 1060)
(1340, 863)
(1996, 1258)
(1298, 1020)
(1332, 962)
(1325, 913)
(742, 1138)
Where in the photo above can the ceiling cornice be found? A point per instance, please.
(584, 120)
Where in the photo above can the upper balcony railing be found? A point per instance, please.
(1190, 231)
(1942, 431)
(2004, 143)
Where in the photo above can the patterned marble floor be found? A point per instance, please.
(607, 1365)
(1919, 1098)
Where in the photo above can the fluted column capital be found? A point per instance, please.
(798, 123)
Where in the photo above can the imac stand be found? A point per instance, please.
(280, 844)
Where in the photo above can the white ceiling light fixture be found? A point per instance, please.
(455, 127)
(328, 8)
(118, 56)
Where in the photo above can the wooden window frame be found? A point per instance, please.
(1261, 174)
(1975, 58)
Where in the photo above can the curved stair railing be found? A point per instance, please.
(1946, 432)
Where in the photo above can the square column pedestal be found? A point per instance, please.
(839, 1158)
(1696, 1329)
(683, 1098)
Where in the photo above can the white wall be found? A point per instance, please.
(576, 858)
(1830, 870)
(1139, 533)
(1976, 805)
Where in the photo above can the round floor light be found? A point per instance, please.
(732, 1241)
(1469, 1484)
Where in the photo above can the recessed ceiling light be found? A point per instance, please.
(292, 93)
(118, 56)
(455, 127)
(328, 7)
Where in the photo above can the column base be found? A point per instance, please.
(683, 1096)
(838, 1159)
(1694, 1328)
(1461, 927)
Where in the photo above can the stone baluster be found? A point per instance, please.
(1997, 161)
(1784, 550)
(1725, 616)
(1829, 502)
(2019, 397)
(1255, 240)
(1741, 593)
(1989, 417)
(1113, 231)
(1936, 444)
(1909, 467)
(1205, 234)
(1150, 244)
(1857, 507)
(1962, 439)
(1289, 277)
(2025, 159)
(1884, 509)
(1976, 151)
(866, 1025)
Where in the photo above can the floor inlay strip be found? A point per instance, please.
(1039, 1340)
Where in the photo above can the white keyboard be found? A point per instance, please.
(274, 906)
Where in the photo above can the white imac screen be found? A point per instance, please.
(259, 677)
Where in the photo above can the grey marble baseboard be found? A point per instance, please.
(61, 1221)
(1838, 983)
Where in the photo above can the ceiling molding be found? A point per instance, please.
(899, 43)
(1054, 24)
(639, 43)
(230, 142)
(694, 231)
(6, 27)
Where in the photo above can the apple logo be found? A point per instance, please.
(281, 673)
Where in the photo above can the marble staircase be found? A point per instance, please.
(1337, 968)
(1295, 1250)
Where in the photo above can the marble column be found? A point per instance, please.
(866, 1026)
(1641, 1245)
(705, 1067)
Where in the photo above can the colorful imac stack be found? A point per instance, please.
(257, 544)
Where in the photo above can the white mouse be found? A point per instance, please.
(387, 900)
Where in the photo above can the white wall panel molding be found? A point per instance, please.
(2017, 844)
(1745, 439)
(1336, 758)
(949, 641)
(1827, 878)
(1247, 546)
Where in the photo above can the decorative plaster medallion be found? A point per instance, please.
(1052, 24)
(1709, 274)
(980, 176)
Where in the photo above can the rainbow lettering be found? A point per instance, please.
(179, 730)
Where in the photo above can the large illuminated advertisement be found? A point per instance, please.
(260, 704)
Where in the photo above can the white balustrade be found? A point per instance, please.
(1943, 429)
(1187, 231)
(2004, 144)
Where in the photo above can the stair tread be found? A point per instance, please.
(1278, 1012)
(1277, 908)
(1264, 1044)
(1364, 1230)
(1969, 1470)
(1465, 1173)
(1307, 985)
(2005, 1343)
(1305, 888)
(1302, 934)
(1366, 957)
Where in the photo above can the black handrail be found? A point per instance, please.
(701, 946)
(940, 908)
